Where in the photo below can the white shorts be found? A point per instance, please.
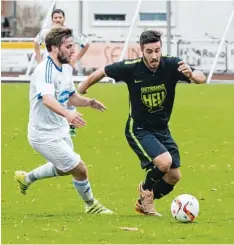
(59, 152)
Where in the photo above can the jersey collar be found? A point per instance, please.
(58, 68)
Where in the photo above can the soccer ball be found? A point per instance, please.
(185, 208)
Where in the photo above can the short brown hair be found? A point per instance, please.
(150, 36)
(56, 37)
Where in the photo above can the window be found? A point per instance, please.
(109, 17)
(153, 17)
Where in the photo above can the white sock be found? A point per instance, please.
(84, 189)
(45, 171)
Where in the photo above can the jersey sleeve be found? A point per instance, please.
(119, 71)
(179, 75)
(80, 39)
(44, 81)
(72, 89)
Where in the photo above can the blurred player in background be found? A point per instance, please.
(51, 91)
(58, 19)
(151, 82)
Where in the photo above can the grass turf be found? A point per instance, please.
(52, 212)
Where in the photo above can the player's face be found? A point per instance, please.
(152, 53)
(58, 19)
(66, 51)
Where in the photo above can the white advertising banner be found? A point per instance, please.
(16, 60)
(201, 55)
(231, 57)
(15, 56)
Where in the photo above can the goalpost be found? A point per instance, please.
(220, 47)
(129, 33)
(130, 30)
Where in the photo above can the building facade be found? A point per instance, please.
(112, 19)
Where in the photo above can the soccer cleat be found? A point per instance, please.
(146, 203)
(97, 208)
(72, 131)
(20, 178)
(139, 208)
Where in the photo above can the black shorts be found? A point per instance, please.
(148, 144)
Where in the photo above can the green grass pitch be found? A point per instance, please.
(202, 124)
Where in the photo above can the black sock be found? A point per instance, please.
(161, 189)
(153, 175)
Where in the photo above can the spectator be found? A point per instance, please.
(5, 24)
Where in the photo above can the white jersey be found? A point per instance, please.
(79, 39)
(44, 124)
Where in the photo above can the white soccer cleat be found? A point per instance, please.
(20, 178)
(97, 208)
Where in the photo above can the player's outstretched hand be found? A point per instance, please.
(97, 105)
(185, 69)
(75, 118)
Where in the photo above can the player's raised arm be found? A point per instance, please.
(91, 79)
(198, 77)
(83, 42)
(117, 71)
(82, 51)
(195, 76)
(36, 45)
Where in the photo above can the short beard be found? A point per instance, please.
(148, 64)
(62, 59)
(146, 61)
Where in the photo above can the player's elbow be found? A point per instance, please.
(203, 78)
(101, 72)
(198, 77)
(82, 87)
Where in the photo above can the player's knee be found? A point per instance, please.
(82, 170)
(61, 173)
(163, 162)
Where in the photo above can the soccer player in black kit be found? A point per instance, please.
(151, 82)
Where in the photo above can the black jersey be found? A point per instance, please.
(151, 94)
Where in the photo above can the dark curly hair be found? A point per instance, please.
(150, 36)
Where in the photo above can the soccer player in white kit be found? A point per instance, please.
(51, 91)
(58, 19)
